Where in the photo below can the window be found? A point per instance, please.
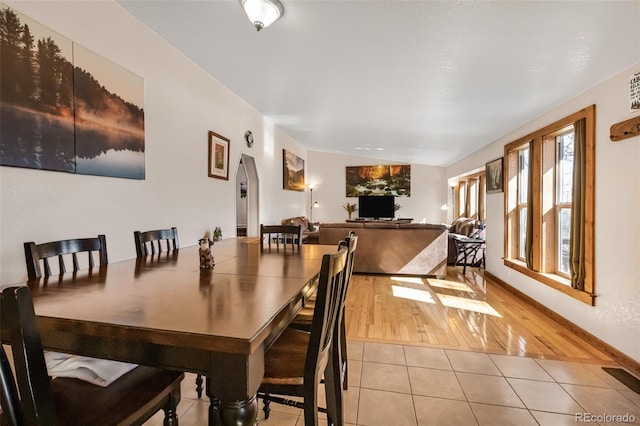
(564, 190)
(540, 172)
(474, 184)
(469, 196)
(523, 192)
(462, 198)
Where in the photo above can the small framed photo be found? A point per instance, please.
(218, 156)
(494, 175)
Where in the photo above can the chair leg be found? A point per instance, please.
(266, 403)
(344, 360)
(311, 404)
(170, 418)
(333, 389)
(170, 409)
(199, 385)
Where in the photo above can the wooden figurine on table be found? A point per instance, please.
(206, 258)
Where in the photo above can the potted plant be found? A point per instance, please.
(397, 207)
(217, 234)
(350, 208)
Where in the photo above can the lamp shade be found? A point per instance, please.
(262, 13)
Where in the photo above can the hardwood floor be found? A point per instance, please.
(461, 312)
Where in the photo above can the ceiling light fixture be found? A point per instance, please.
(262, 13)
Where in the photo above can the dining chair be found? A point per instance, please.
(35, 252)
(148, 242)
(297, 360)
(284, 233)
(41, 400)
(304, 318)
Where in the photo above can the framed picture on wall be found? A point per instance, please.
(380, 179)
(218, 156)
(292, 171)
(66, 108)
(494, 175)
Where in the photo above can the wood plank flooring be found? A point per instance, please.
(460, 312)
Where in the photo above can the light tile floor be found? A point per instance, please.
(395, 385)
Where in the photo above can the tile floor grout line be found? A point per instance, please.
(413, 400)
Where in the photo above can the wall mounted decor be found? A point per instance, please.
(384, 179)
(248, 137)
(218, 156)
(625, 129)
(494, 175)
(292, 171)
(63, 107)
(634, 92)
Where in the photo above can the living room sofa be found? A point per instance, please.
(309, 230)
(389, 247)
(464, 227)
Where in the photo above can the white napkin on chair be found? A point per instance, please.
(101, 372)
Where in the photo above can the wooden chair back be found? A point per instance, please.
(10, 401)
(330, 288)
(281, 233)
(352, 243)
(150, 242)
(36, 404)
(35, 252)
(131, 399)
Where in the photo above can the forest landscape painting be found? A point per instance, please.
(64, 108)
(382, 179)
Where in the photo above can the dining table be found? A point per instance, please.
(164, 311)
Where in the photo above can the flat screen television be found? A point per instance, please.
(376, 206)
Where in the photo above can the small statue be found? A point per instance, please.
(206, 258)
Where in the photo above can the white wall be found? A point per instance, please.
(328, 175)
(182, 103)
(616, 317)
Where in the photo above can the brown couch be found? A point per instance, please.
(464, 227)
(309, 230)
(393, 248)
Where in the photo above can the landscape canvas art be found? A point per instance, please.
(109, 117)
(292, 171)
(36, 95)
(379, 180)
(63, 107)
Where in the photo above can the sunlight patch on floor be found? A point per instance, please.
(412, 294)
(468, 304)
(412, 280)
(452, 285)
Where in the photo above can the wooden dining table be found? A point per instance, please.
(164, 311)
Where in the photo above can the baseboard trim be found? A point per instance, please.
(624, 360)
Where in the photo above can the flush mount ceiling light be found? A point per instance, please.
(262, 13)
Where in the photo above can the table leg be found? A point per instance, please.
(236, 413)
(241, 413)
(232, 386)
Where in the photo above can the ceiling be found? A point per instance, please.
(426, 82)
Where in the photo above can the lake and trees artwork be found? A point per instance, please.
(379, 180)
(64, 108)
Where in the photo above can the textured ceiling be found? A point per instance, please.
(427, 82)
